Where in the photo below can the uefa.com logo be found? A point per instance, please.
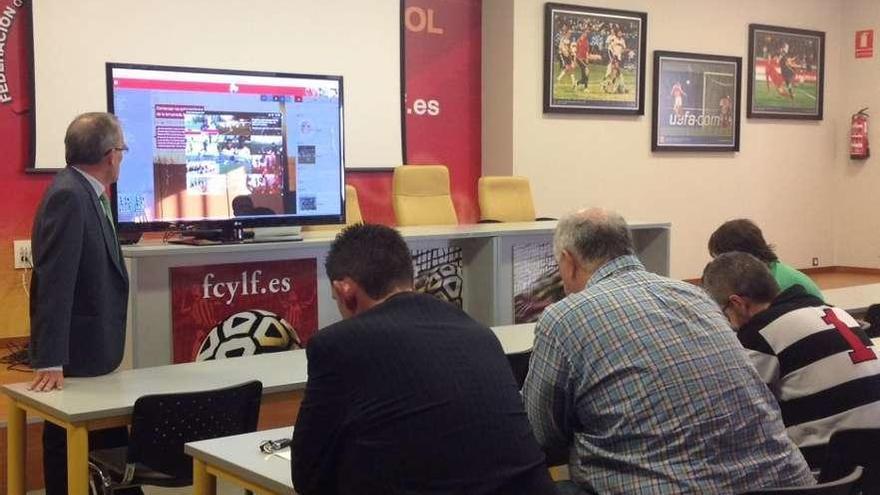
(250, 284)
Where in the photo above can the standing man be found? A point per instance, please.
(407, 394)
(817, 361)
(639, 377)
(79, 290)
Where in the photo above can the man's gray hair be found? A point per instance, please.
(741, 274)
(90, 136)
(593, 235)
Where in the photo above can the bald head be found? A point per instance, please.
(593, 235)
(90, 136)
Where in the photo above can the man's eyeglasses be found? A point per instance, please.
(123, 148)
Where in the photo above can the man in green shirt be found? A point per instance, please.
(743, 235)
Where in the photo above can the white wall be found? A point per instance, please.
(783, 177)
(857, 199)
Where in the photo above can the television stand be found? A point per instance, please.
(225, 235)
(238, 235)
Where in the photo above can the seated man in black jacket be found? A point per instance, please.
(407, 394)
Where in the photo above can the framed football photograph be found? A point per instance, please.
(594, 60)
(786, 73)
(696, 102)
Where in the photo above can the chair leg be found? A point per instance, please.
(106, 487)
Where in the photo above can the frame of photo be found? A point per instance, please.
(798, 89)
(620, 87)
(713, 125)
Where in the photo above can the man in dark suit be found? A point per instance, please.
(407, 394)
(79, 290)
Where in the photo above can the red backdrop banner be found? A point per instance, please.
(441, 72)
(246, 301)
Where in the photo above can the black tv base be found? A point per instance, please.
(231, 235)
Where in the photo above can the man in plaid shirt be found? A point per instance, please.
(640, 378)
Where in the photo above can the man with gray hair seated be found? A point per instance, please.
(815, 358)
(639, 377)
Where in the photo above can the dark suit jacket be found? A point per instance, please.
(413, 397)
(79, 289)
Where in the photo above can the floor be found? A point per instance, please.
(283, 413)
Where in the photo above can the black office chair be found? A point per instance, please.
(848, 485)
(856, 447)
(160, 426)
(519, 364)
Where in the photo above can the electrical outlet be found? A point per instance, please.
(815, 261)
(21, 251)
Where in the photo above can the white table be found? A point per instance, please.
(855, 299)
(238, 460)
(106, 401)
(487, 269)
(516, 339)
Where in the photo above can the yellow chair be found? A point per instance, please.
(421, 196)
(352, 213)
(352, 206)
(505, 199)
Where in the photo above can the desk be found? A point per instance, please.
(487, 270)
(106, 401)
(101, 402)
(855, 299)
(238, 460)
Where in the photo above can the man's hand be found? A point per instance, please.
(46, 381)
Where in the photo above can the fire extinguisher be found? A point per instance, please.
(858, 136)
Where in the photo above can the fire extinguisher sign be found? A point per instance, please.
(865, 43)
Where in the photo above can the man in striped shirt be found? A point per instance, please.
(638, 378)
(815, 358)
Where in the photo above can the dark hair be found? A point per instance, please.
(374, 256)
(744, 236)
(741, 274)
(90, 136)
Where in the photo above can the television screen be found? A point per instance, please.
(212, 147)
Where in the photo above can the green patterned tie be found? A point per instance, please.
(107, 211)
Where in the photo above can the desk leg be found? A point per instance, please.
(77, 460)
(203, 483)
(16, 449)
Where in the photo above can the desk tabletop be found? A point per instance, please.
(113, 395)
(323, 238)
(516, 339)
(854, 299)
(240, 455)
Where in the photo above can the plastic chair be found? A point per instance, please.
(162, 424)
(506, 199)
(352, 213)
(855, 447)
(352, 206)
(421, 196)
(848, 485)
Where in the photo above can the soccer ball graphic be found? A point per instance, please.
(247, 333)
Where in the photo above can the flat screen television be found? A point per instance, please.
(217, 151)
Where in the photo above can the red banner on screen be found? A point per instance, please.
(239, 309)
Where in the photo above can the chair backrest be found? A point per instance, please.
(848, 485)
(855, 447)
(352, 206)
(421, 196)
(506, 199)
(352, 213)
(161, 424)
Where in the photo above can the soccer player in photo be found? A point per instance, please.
(678, 95)
(725, 105)
(583, 58)
(566, 55)
(613, 82)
